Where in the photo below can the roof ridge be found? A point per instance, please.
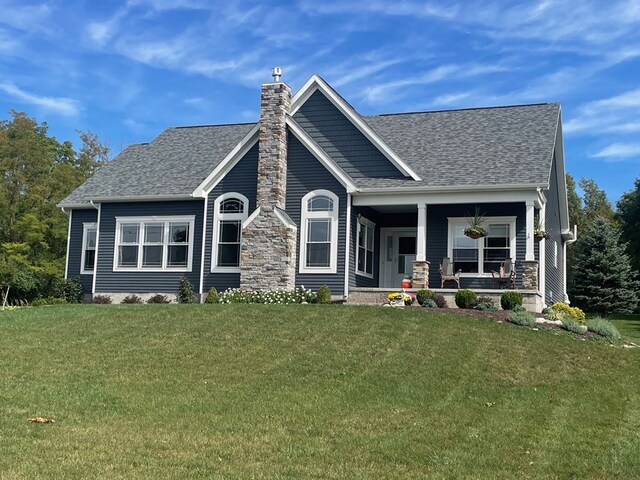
(212, 125)
(462, 109)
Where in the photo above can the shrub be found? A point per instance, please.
(324, 294)
(509, 300)
(429, 303)
(132, 299)
(487, 307)
(573, 326)
(562, 311)
(158, 299)
(48, 301)
(298, 295)
(185, 292)
(423, 295)
(70, 289)
(441, 302)
(520, 316)
(603, 327)
(101, 299)
(465, 298)
(212, 296)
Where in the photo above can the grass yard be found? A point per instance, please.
(308, 391)
(628, 325)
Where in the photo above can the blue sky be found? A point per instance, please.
(126, 70)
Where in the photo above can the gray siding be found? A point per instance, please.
(437, 237)
(78, 218)
(144, 282)
(304, 174)
(342, 141)
(242, 179)
(554, 275)
(359, 280)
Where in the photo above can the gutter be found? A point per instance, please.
(449, 189)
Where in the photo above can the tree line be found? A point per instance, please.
(36, 172)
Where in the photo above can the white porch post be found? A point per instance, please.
(542, 246)
(421, 239)
(529, 251)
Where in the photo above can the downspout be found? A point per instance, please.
(564, 248)
(95, 264)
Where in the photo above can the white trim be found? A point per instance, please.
(362, 221)
(251, 218)
(454, 221)
(333, 216)
(542, 254)
(448, 196)
(284, 218)
(321, 155)
(204, 244)
(217, 218)
(347, 249)
(95, 270)
(86, 226)
(529, 237)
(316, 83)
(66, 263)
(421, 237)
(232, 158)
(141, 221)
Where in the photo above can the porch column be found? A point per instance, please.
(420, 265)
(529, 251)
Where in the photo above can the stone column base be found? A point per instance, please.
(420, 274)
(530, 274)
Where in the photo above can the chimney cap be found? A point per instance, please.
(277, 73)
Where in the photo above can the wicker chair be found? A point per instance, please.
(446, 273)
(506, 276)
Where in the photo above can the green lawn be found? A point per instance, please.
(308, 391)
(629, 326)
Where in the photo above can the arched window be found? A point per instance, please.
(229, 211)
(319, 232)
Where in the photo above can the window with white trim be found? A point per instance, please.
(154, 243)
(365, 248)
(479, 257)
(230, 210)
(319, 232)
(89, 236)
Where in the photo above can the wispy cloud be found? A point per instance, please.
(619, 151)
(30, 18)
(617, 114)
(61, 105)
(450, 99)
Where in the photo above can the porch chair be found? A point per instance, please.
(506, 276)
(446, 273)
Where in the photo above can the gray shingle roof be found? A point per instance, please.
(174, 163)
(482, 146)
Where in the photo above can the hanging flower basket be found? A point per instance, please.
(539, 235)
(475, 232)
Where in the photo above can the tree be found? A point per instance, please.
(595, 202)
(604, 281)
(629, 215)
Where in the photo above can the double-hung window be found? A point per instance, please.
(89, 237)
(365, 249)
(230, 211)
(154, 243)
(319, 232)
(479, 257)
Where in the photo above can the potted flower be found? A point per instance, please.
(540, 233)
(476, 228)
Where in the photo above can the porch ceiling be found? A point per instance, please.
(396, 208)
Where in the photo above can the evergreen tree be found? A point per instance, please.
(629, 214)
(604, 281)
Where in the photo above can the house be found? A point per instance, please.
(315, 193)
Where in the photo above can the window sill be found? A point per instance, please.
(86, 272)
(225, 270)
(317, 270)
(364, 274)
(142, 270)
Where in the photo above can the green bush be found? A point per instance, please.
(561, 311)
(573, 326)
(441, 302)
(429, 303)
(520, 316)
(70, 289)
(509, 300)
(603, 327)
(423, 295)
(324, 294)
(48, 301)
(185, 292)
(466, 298)
(284, 297)
(158, 299)
(101, 299)
(212, 296)
(487, 307)
(131, 299)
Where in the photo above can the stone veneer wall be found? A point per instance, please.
(267, 256)
(420, 277)
(530, 274)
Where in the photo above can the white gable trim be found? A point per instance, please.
(321, 155)
(561, 179)
(317, 83)
(234, 156)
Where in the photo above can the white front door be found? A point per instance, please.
(398, 254)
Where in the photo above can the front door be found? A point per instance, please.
(398, 254)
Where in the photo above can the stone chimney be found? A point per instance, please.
(268, 253)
